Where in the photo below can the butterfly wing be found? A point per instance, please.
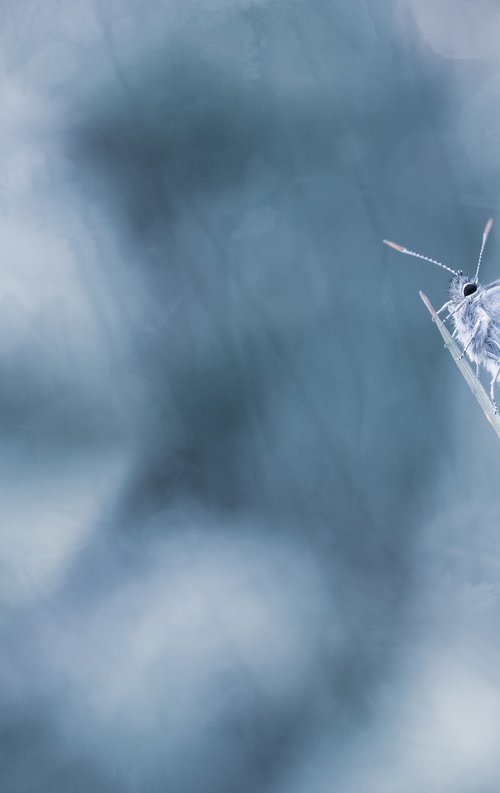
(488, 298)
(489, 287)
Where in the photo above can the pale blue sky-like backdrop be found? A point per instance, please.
(250, 513)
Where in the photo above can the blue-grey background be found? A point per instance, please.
(249, 509)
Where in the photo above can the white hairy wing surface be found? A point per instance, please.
(489, 300)
(489, 287)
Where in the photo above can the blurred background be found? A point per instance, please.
(249, 509)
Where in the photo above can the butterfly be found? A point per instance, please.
(475, 311)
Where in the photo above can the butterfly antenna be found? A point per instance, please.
(486, 231)
(420, 256)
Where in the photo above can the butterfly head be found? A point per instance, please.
(462, 286)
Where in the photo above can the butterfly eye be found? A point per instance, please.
(469, 289)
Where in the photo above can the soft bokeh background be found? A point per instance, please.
(249, 510)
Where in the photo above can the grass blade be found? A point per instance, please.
(472, 381)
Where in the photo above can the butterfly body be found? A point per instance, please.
(476, 315)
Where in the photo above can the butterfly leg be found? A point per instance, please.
(474, 331)
(492, 387)
(450, 314)
(443, 307)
